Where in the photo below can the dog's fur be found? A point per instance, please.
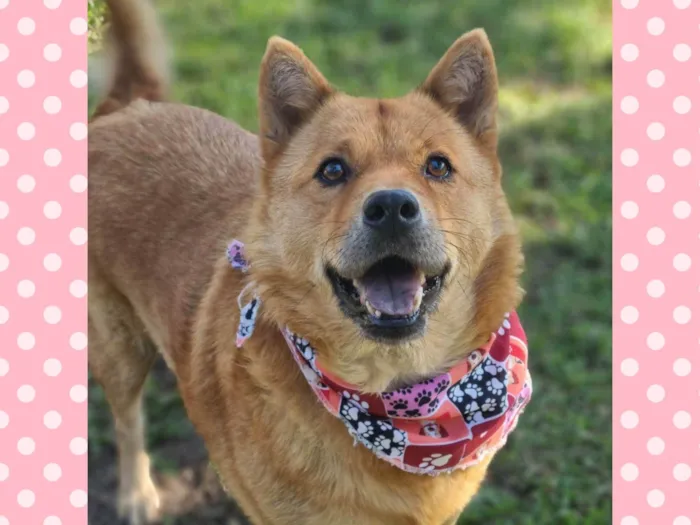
(170, 185)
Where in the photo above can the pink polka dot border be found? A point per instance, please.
(43, 267)
(656, 255)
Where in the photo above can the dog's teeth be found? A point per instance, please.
(418, 298)
(422, 279)
(377, 314)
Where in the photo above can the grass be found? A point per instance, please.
(555, 71)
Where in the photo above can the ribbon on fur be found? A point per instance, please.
(451, 421)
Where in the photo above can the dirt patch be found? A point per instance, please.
(189, 489)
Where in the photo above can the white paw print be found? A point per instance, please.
(435, 460)
(489, 405)
(495, 386)
(356, 399)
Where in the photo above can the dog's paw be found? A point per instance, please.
(139, 507)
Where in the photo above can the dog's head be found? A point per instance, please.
(380, 230)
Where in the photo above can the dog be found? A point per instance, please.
(358, 252)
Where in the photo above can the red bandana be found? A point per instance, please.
(448, 422)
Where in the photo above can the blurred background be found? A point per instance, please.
(555, 63)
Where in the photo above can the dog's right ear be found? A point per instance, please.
(291, 89)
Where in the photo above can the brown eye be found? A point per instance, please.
(438, 167)
(332, 171)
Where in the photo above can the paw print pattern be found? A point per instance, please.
(397, 405)
(435, 461)
(482, 394)
(441, 386)
(423, 397)
(377, 434)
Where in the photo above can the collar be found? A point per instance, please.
(451, 421)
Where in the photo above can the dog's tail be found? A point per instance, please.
(136, 47)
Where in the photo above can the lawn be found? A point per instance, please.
(555, 72)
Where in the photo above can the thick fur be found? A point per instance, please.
(170, 185)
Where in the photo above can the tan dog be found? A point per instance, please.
(171, 185)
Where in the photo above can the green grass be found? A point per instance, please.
(555, 71)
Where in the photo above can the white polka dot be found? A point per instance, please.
(4, 262)
(682, 52)
(78, 183)
(629, 105)
(4, 52)
(656, 341)
(4, 419)
(52, 157)
(78, 341)
(4, 367)
(629, 419)
(681, 157)
(682, 520)
(656, 446)
(52, 472)
(629, 157)
(681, 314)
(78, 446)
(52, 52)
(681, 419)
(629, 315)
(656, 26)
(78, 26)
(681, 367)
(26, 498)
(52, 420)
(681, 105)
(629, 209)
(629, 52)
(52, 367)
(78, 236)
(26, 131)
(656, 131)
(655, 498)
(629, 367)
(681, 4)
(52, 210)
(26, 393)
(52, 262)
(78, 78)
(629, 4)
(78, 131)
(681, 210)
(4, 105)
(655, 288)
(26, 341)
(52, 314)
(26, 446)
(52, 105)
(4, 315)
(682, 262)
(26, 236)
(78, 394)
(4, 210)
(629, 472)
(26, 26)
(26, 78)
(629, 262)
(656, 78)
(26, 183)
(682, 472)
(656, 236)
(4, 157)
(3, 519)
(78, 288)
(629, 520)
(656, 393)
(4, 3)
(25, 288)
(52, 520)
(78, 498)
(4, 472)
(52, 4)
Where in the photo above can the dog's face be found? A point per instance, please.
(380, 227)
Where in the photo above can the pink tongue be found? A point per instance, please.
(391, 293)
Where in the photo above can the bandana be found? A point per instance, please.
(451, 421)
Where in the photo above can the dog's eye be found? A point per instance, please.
(332, 171)
(438, 167)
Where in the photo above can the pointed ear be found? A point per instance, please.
(465, 83)
(291, 89)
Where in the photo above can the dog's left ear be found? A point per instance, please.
(291, 89)
(465, 83)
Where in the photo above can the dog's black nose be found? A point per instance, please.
(392, 211)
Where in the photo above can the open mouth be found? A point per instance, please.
(390, 300)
